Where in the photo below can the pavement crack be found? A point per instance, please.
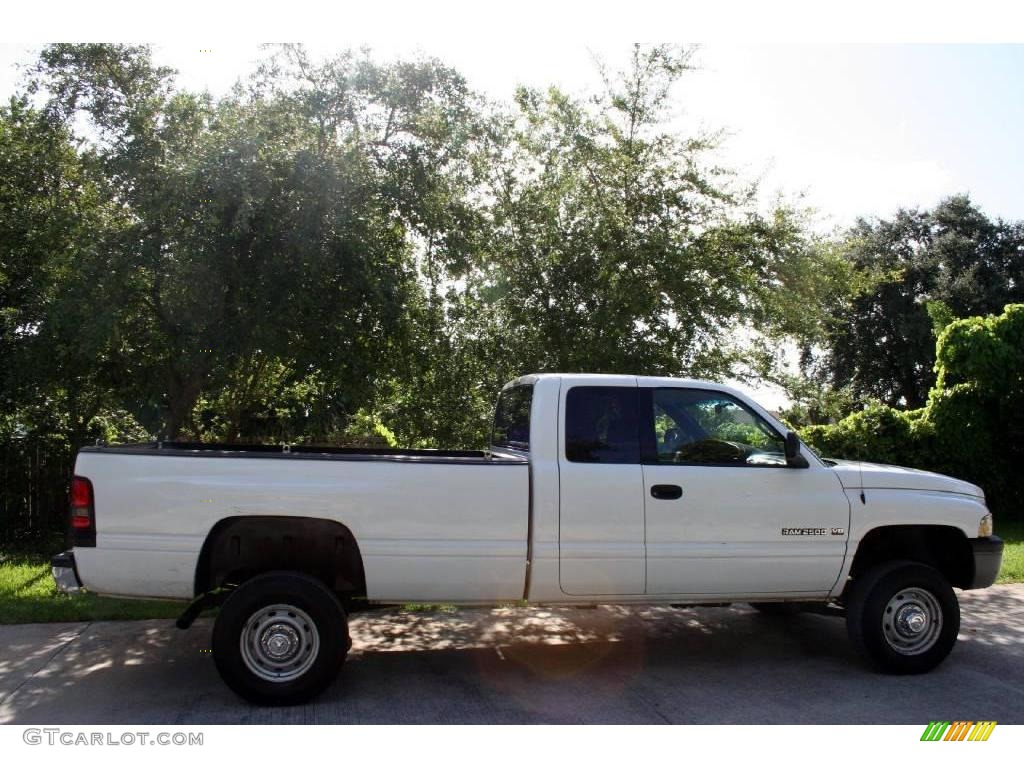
(57, 652)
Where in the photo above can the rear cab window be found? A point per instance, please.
(512, 418)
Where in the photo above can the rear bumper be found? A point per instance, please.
(65, 573)
(988, 557)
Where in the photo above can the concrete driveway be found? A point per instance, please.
(518, 665)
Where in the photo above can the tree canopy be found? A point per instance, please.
(347, 249)
(922, 269)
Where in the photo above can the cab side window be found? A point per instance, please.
(693, 426)
(602, 425)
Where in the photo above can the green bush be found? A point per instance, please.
(977, 406)
(878, 433)
(973, 424)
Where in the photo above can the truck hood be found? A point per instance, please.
(857, 474)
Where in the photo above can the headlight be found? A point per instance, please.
(985, 526)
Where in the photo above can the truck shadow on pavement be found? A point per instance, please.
(609, 664)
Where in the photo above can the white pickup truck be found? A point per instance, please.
(596, 489)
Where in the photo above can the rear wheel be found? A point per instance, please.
(903, 617)
(280, 638)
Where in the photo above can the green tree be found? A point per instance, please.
(926, 268)
(430, 143)
(618, 246)
(52, 392)
(261, 240)
(52, 213)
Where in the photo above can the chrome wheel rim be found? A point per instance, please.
(279, 643)
(912, 621)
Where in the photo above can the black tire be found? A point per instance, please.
(777, 609)
(294, 614)
(873, 607)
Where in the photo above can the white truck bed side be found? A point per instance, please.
(427, 530)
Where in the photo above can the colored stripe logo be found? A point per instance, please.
(960, 730)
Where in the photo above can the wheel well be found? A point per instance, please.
(943, 547)
(238, 548)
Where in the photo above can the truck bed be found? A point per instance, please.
(430, 525)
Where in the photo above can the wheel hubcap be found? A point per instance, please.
(279, 643)
(912, 621)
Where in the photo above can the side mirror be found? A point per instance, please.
(793, 456)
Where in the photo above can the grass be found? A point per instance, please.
(1013, 555)
(28, 593)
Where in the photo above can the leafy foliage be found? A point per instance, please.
(973, 424)
(878, 433)
(918, 271)
(618, 247)
(269, 237)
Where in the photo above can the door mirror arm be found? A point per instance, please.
(793, 456)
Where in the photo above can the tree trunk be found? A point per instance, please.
(181, 398)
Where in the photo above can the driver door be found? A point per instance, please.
(730, 532)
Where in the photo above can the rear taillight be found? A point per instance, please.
(83, 513)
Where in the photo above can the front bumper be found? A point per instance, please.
(65, 573)
(988, 557)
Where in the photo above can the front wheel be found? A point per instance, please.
(903, 616)
(280, 638)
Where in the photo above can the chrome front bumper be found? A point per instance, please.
(65, 573)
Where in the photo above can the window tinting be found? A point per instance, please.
(601, 425)
(693, 426)
(512, 418)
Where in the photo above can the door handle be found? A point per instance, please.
(668, 492)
